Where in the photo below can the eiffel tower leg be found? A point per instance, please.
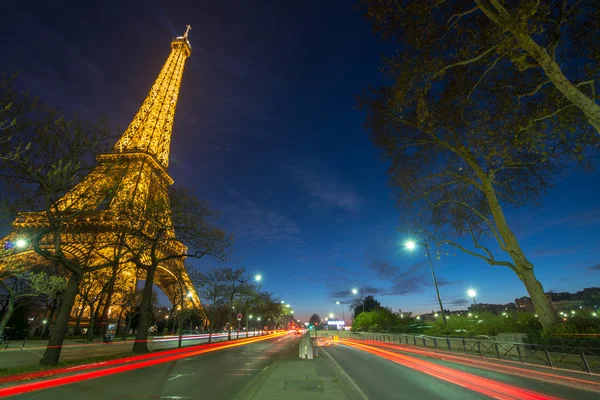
(52, 353)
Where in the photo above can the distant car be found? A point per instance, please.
(190, 333)
(298, 332)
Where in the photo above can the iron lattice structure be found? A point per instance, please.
(130, 180)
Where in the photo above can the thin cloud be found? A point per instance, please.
(248, 220)
(326, 188)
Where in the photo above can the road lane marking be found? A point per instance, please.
(489, 387)
(352, 383)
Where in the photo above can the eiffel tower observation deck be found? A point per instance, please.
(120, 193)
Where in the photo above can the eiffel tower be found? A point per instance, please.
(134, 173)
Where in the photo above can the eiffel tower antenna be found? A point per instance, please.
(151, 128)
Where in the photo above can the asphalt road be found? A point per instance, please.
(218, 375)
(32, 353)
(383, 379)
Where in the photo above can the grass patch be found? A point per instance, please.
(70, 363)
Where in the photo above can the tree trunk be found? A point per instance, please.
(103, 320)
(49, 320)
(542, 305)
(141, 337)
(128, 327)
(553, 71)
(52, 353)
(97, 316)
(77, 330)
(10, 309)
(523, 266)
(89, 335)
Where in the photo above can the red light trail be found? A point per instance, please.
(488, 387)
(509, 369)
(126, 364)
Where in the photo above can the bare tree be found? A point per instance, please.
(212, 288)
(458, 163)
(538, 41)
(54, 215)
(168, 228)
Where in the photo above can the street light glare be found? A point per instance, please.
(410, 245)
(258, 278)
(330, 315)
(472, 293)
(21, 243)
(337, 302)
(354, 291)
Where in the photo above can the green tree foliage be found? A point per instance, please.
(368, 304)
(314, 320)
(383, 319)
(20, 284)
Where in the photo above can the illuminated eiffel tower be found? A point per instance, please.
(134, 174)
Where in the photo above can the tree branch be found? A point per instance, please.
(533, 121)
(465, 62)
(486, 72)
(458, 16)
(490, 261)
(534, 91)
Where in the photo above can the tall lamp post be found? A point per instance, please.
(472, 293)
(343, 314)
(257, 278)
(362, 295)
(189, 296)
(410, 245)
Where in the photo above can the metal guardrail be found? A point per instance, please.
(553, 356)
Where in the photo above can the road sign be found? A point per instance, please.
(239, 316)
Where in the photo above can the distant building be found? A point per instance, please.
(565, 301)
(524, 304)
(492, 308)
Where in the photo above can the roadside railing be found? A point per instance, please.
(553, 356)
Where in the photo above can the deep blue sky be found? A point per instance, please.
(267, 130)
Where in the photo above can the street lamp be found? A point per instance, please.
(258, 278)
(472, 293)
(343, 312)
(362, 295)
(330, 315)
(410, 245)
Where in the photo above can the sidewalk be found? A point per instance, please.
(291, 378)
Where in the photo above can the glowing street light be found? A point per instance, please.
(330, 315)
(411, 245)
(21, 243)
(472, 293)
(258, 278)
